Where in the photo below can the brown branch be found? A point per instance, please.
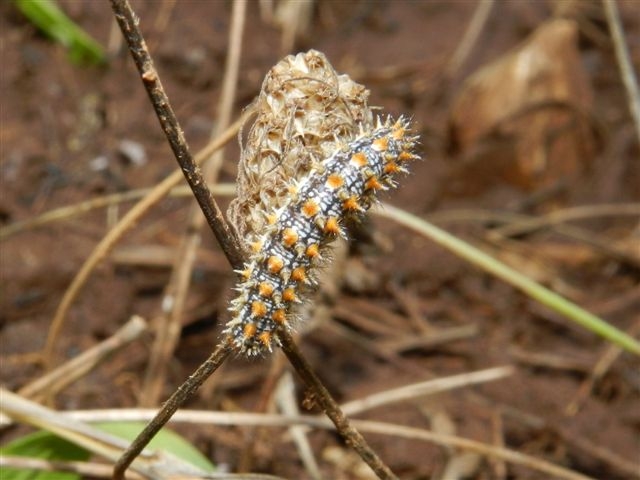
(170, 126)
(353, 438)
(181, 395)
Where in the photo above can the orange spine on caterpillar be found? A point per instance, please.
(282, 265)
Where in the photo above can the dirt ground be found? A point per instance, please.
(406, 310)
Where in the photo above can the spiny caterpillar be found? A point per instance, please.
(283, 259)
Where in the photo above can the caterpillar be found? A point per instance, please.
(283, 260)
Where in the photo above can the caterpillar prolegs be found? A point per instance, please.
(284, 259)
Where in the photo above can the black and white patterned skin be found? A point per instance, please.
(282, 267)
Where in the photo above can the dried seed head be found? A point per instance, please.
(304, 112)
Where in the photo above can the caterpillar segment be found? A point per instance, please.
(284, 260)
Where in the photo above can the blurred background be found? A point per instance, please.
(530, 153)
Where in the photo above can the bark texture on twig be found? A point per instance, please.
(353, 438)
(182, 394)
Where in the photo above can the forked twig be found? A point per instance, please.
(128, 24)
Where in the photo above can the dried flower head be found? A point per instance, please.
(304, 111)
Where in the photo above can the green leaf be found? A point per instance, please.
(46, 446)
(46, 15)
(166, 440)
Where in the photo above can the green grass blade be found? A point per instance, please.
(46, 15)
(166, 440)
(534, 290)
(45, 446)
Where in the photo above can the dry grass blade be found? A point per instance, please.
(79, 366)
(93, 470)
(602, 366)
(382, 428)
(117, 232)
(287, 403)
(470, 37)
(96, 441)
(70, 211)
(565, 215)
(451, 441)
(624, 61)
(429, 387)
(176, 291)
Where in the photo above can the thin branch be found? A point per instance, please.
(624, 61)
(181, 395)
(170, 126)
(322, 396)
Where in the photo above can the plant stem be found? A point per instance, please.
(182, 394)
(353, 438)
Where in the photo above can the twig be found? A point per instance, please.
(169, 123)
(353, 438)
(69, 211)
(183, 393)
(175, 296)
(79, 366)
(470, 37)
(624, 60)
(108, 242)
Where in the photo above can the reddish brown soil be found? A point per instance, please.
(57, 118)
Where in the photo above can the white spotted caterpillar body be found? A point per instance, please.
(284, 257)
